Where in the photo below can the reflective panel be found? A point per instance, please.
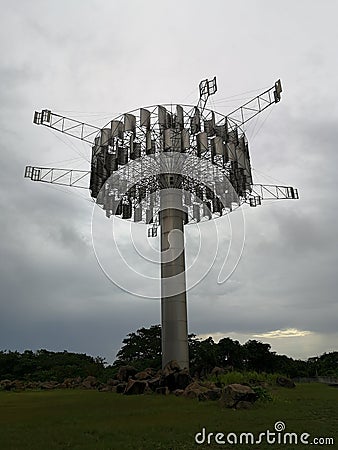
(233, 136)
(221, 131)
(209, 125)
(231, 151)
(187, 198)
(129, 122)
(202, 142)
(149, 215)
(207, 210)
(144, 118)
(185, 139)
(195, 122)
(162, 116)
(241, 152)
(105, 136)
(138, 214)
(168, 138)
(179, 116)
(122, 155)
(176, 141)
(137, 149)
(219, 145)
(196, 212)
(117, 129)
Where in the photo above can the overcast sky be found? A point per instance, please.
(93, 60)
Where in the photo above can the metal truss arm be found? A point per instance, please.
(255, 106)
(271, 192)
(63, 177)
(72, 127)
(206, 88)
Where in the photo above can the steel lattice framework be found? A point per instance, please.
(168, 165)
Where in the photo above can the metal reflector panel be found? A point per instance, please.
(122, 155)
(187, 198)
(137, 150)
(126, 209)
(233, 136)
(202, 142)
(176, 141)
(240, 152)
(196, 212)
(110, 163)
(185, 135)
(162, 116)
(105, 136)
(228, 201)
(117, 129)
(221, 131)
(207, 210)
(145, 118)
(231, 151)
(150, 144)
(209, 125)
(219, 145)
(138, 214)
(149, 215)
(195, 121)
(129, 122)
(168, 138)
(179, 116)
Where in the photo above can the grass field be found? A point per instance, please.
(80, 419)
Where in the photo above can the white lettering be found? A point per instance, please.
(197, 439)
(218, 438)
(304, 438)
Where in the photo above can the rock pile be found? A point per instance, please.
(170, 380)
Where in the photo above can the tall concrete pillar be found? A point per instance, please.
(173, 283)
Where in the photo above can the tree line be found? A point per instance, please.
(142, 349)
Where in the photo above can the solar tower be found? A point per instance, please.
(168, 166)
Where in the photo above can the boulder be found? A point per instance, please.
(90, 382)
(235, 393)
(162, 390)
(18, 385)
(32, 385)
(106, 388)
(285, 382)
(48, 385)
(120, 388)
(155, 383)
(176, 379)
(125, 372)
(144, 375)
(178, 392)
(182, 379)
(112, 382)
(210, 394)
(71, 383)
(6, 385)
(194, 390)
(170, 368)
(135, 387)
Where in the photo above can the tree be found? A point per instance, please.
(258, 356)
(230, 353)
(141, 349)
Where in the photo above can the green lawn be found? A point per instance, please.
(79, 419)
